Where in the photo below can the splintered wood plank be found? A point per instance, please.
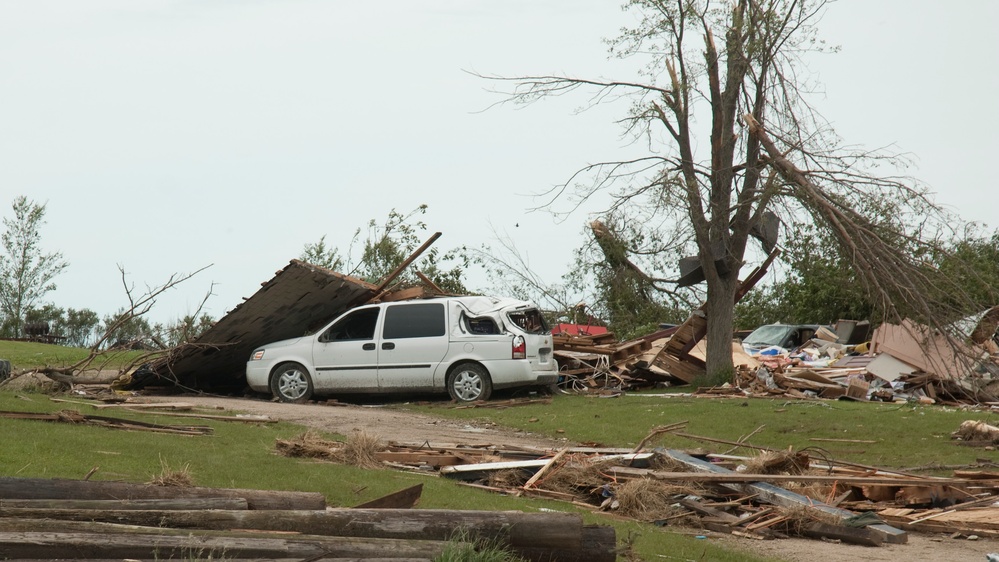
(403, 499)
(851, 535)
(430, 459)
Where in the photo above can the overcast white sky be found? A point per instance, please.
(169, 135)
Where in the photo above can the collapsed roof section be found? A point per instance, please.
(299, 299)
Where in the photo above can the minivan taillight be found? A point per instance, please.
(519, 348)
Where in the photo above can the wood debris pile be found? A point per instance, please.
(905, 362)
(773, 495)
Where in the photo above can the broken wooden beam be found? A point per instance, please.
(742, 477)
(403, 499)
(779, 496)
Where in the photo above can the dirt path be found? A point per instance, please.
(385, 423)
(408, 427)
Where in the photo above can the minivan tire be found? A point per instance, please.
(469, 382)
(291, 383)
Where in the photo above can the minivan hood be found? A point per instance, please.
(282, 343)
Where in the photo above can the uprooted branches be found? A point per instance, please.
(138, 305)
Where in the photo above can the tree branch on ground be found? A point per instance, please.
(139, 305)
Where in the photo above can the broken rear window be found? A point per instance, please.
(530, 320)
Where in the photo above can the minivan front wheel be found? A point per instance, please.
(291, 383)
(469, 382)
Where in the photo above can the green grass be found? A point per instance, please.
(239, 455)
(31, 355)
(242, 455)
(906, 435)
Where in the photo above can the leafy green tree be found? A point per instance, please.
(186, 329)
(77, 327)
(632, 301)
(322, 255)
(819, 287)
(384, 247)
(26, 271)
(973, 261)
(80, 327)
(125, 330)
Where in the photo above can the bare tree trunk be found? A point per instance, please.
(720, 312)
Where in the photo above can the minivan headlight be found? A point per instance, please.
(257, 355)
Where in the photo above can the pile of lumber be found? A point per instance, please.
(773, 495)
(601, 362)
(44, 519)
(903, 362)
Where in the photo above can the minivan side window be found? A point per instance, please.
(423, 320)
(358, 325)
(482, 325)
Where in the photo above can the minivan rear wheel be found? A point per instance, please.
(291, 383)
(469, 382)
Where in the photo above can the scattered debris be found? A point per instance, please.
(901, 363)
(73, 416)
(771, 495)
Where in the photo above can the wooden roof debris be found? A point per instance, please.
(299, 298)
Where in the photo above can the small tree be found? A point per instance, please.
(322, 255)
(80, 327)
(26, 272)
(125, 330)
(77, 327)
(186, 329)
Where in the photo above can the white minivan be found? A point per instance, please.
(468, 346)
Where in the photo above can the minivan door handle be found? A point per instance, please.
(388, 345)
(368, 347)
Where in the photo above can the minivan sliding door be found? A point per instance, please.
(413, 343)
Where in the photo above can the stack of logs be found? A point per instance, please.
(46, 519)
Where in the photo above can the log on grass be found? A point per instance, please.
(227, 559)
(562, 531)
(131, 505)
(191, 546)
(599, 545)
(45, 488)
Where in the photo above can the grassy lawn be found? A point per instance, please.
(239, 455)
(30, 355)
(243, 455)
